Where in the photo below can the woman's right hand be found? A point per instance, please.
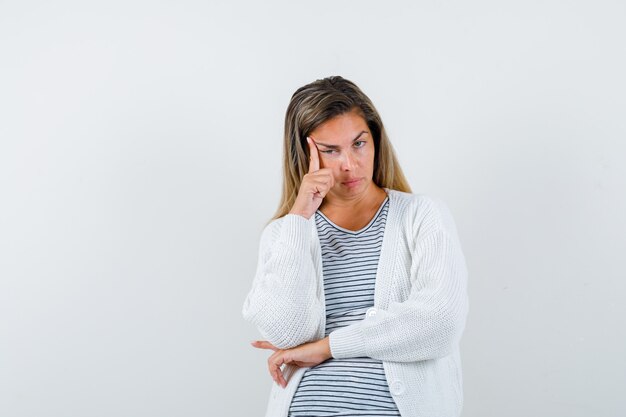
(315, 185)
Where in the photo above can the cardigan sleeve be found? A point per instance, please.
(283, 302)
(429, 323)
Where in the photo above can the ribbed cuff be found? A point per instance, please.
(347, 342)
(296, 232)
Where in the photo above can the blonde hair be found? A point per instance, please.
(314, 104)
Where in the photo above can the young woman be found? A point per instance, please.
(360, 289)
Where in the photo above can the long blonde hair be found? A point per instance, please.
(312, 105)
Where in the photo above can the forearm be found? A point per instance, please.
(428, 324)
(409, 336)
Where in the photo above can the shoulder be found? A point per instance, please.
(418, 204)
(288, 220)
(423, 213)
(286, 229)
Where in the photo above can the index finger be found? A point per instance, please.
(262, 344)
(314, 158)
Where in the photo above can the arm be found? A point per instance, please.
(429, 323)
(283, 302)
(306, 355)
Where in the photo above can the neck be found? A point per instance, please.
(373, 194)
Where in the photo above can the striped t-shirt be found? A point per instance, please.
(354, 386)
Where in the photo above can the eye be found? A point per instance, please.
(329, 151)
(362, 142)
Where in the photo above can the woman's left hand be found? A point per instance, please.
(307, 354)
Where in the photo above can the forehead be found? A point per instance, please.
(343, 128)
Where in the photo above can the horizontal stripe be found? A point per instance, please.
(355, 386)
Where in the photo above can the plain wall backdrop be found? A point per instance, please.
(140, 157)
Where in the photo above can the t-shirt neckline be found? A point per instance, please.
(364, 228)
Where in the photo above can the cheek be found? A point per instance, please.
(329, 162)
(333, 165)
(368, 160)
(367, 157)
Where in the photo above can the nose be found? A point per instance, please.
(347, 163)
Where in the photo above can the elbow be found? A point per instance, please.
(443, 338)
(289, 332)
(452, 331)
(281, 328)
(247, 310)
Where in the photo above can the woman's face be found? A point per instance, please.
(346, 146)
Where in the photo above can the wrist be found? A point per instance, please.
(325, 346)
(299, 213)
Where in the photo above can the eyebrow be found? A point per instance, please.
(337, 146)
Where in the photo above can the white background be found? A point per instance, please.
(140, 157)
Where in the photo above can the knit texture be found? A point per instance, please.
(420, 304)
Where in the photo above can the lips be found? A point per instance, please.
(351, 181)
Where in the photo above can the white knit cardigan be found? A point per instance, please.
(419, 313)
